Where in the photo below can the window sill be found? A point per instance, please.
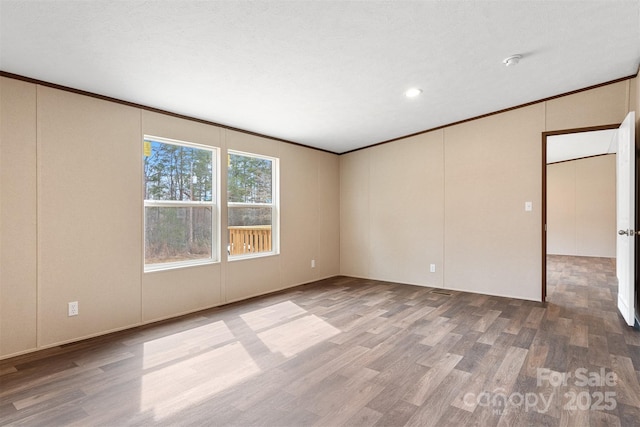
(177, 265)
(251, 256)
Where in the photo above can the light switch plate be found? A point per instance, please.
(528, 206)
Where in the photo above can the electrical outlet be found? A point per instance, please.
(73, 308)
(432, 268)
(313, 263)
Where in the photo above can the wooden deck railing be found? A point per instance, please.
(249, 239)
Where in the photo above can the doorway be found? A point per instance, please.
(571, 151)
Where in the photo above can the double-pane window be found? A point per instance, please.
(180, 203)
(252, 200)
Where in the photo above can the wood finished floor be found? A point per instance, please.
(351, 352)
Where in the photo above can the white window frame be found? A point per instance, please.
(214, 204)
(275, 208)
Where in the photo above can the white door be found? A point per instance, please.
(625, 201)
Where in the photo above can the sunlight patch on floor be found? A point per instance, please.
(169, 390)
(179, 345)
(274, 314)
(297, 335)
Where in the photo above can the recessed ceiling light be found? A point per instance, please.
(413, 92)
(512, 60)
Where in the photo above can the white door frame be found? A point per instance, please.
(544, 191)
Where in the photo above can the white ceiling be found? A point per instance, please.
(571, 146)
(328, 74)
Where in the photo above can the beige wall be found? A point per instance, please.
(581, 207)
(89, 215)
(18, 295)
(71, 219)
(479, 180)
(493, 166)
(392, 216)
(605, 105)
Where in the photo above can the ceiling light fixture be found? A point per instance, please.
(512, 60)
(413, 92)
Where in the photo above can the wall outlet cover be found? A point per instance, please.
(73, 308)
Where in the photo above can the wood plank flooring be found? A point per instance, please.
(352, 352)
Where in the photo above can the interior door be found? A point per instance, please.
(625, 202)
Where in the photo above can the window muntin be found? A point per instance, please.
(252, 202)
(180, 203)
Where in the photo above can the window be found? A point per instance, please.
(252, 198)
(180, 203)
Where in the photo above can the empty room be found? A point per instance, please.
(319, 213)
